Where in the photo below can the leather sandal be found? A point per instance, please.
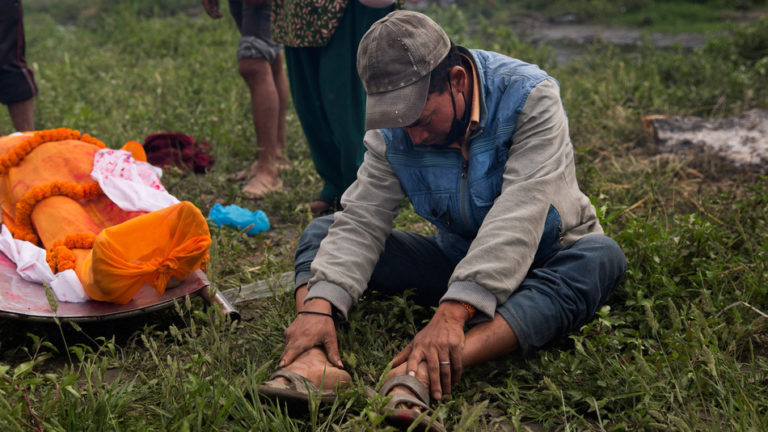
(408, 418)
(296, 393)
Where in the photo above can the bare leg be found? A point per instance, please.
(22, 115)
(488, 341)
(281, 84)
(314, 364)
(483, 343)
(265, 102)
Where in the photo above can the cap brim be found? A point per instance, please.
(396, 108)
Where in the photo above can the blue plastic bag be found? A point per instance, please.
(239, 218)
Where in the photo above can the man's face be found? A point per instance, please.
(434, 122)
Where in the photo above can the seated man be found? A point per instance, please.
(479, 143)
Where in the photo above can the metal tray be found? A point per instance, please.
(22, 299)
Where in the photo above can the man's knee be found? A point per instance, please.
(254, 69)
(565, 293)
(314, 233)
(607, 247)
(601, 264)
(607, 254)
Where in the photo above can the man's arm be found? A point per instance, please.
(440, 345)
(314, 327)
(347, 256)
(539, 172)
(534, 177)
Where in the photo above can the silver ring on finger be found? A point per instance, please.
(445, 363)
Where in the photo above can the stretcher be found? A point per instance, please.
(90, 233)
(21, 299)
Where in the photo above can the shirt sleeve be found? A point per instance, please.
(540, 160)
(347, 256)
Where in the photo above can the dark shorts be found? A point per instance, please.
(17, 83)
(253, 23)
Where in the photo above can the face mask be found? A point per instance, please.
(458, 127)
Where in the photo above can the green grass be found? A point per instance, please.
(671, 16)
(667, 352)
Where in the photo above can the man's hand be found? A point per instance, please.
(212, 8)
(441, 341)
(308, 331)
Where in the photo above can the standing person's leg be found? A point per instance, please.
(256, 55)
(22, 115)
(303, 64)
(17, 84)
(265, 103)
(342, 92)
(281, 84)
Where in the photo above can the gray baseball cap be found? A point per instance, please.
(394, 60)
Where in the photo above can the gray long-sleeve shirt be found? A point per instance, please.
(539, 172)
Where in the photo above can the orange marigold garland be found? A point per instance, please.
(24, 207)
(60, 257)
(18, 153)
(33, 196)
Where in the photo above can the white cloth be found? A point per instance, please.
(31, 266)
(132, 185)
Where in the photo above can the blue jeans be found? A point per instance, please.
(561, 292)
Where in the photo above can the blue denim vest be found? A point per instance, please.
(456, 196)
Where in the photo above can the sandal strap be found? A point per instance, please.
(403, 398)
(294, 380)
(409, 382)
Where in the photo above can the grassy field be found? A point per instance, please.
(682, 344)
(653, 15)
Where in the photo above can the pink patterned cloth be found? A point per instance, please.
(132, 185)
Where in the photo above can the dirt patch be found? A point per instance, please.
(585, 34)
(570, 39)
(741, 140)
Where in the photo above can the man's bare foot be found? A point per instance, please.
(314, 366)
(282, 163)
(266, 180)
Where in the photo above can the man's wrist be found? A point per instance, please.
(455, 311)
(318, 304)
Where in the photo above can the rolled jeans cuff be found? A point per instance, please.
(301, 278)
(251, 47)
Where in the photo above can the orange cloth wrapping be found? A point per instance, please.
(150, 249)
(69, 164)
(47, 196)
